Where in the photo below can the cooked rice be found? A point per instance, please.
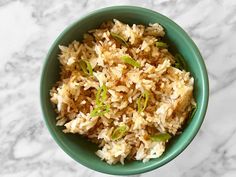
(170, 91)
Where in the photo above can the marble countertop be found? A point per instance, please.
(28, 28)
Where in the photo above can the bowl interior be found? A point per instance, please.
(78, 147)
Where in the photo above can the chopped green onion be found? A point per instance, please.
(130, 61)
(119, 132)
(104, 93)
(101, 95)
(191, 114)
(119, 38)
(86, 67)
(142, 101)
(160, 137)
(83, 66)
(179, 62)
(139, 104)
(97, 96)
(89, 67)
(100, 110)
(178, 65)
(194, 110)
(161, 44)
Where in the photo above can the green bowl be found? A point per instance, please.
(81, 149)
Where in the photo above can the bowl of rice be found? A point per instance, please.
(124, 90)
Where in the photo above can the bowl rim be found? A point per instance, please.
(203, 107)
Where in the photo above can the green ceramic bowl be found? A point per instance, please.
(78, 147)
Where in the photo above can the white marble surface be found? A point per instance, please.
(28, 28)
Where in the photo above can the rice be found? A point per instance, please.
(122, 91)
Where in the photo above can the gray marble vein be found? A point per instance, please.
(28, 28)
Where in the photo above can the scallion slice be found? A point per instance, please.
(179, 62)
(131, 61)
(119, 132)
(194, 110)
(160, 137)
(119, 38)
(192, 113)
(161, 44)
(142, 101)
(101, 95)
(100, 108)
(86, 67)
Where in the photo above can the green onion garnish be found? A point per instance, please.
(192, 113)
(100, 108)
(179, 62)
(86, 67)
(161, 44)
(131, 61)
(142, 101)
(120, 39)
(194, 110)
(104, 93)
(160, 137)
(101, 95)
(119, 132)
